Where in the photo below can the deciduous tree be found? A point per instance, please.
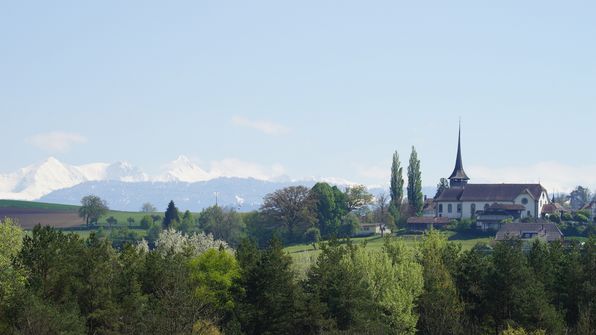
(92, 208)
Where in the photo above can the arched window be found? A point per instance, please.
(450, 208)
(485, 206)
(473, 209)
(459, 208)
(525, 201)
(440, 208)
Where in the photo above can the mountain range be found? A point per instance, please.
(126, 187)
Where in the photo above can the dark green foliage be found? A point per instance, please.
(312, 235)
(269, 300)
(92, 208)
(289, 211)
(225, 224)
(515, 293)
(415, 197)
(146, 222)
(442, 186)
(111, 221)
(396, 188)
(343, 293)
(173, 306)
(330, 207)
(471, 278)
(440, 307)
(171, 216)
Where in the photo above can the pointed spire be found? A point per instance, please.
(458, 177)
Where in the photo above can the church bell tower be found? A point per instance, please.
(458, 178)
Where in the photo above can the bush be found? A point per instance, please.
(567, 217)
(146, 222)
(554, 218)
(463, 225)
(312, 235)
(580, 217)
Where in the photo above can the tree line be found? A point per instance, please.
(57, 283)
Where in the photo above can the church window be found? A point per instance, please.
(524, 201)
(449, 208)
(440, 208)
(485, 206)
(459, 208)
(473, 209)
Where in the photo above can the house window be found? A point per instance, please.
(459, 208)
(449, 208)
(440, 208)
(524, 201)
(529, 214)
(473, 209)
(485, 206)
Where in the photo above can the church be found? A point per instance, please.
(488, 203)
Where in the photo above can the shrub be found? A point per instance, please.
(146, 222)
(312, 235)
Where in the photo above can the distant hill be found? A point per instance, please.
(244, 194)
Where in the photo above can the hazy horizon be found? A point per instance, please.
(308, 89)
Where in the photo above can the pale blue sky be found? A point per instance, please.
(336, 85)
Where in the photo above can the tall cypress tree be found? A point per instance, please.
(396, 189)
(415, 198)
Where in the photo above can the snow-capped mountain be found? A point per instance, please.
(183, 169)
(37, 180)
(126, 187)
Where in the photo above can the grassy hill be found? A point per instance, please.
(304, 255)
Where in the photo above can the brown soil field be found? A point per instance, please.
(29, 217)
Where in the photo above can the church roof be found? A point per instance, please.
(490, 192)
(458, 171)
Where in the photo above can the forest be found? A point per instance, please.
(52, 282)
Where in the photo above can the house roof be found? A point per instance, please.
(490, 192)
(427, 220)
(429, 205)
(589, 205)
(550, 231)
(553, 208)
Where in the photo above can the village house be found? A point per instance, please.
(374, 229)
(546, 231)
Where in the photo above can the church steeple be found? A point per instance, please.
(458, 178)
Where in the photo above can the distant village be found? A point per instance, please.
(524, 211)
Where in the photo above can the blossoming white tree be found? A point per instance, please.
(171, 241)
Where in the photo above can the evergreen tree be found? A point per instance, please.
(514, 293)
(268, 301)
(396, 188)
(442, 186)
(415, 197)
(172, 215)
(440, 307)
(341, 288)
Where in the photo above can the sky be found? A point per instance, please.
(304, 88)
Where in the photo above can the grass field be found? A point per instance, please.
(304, 255)
(30, 213)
